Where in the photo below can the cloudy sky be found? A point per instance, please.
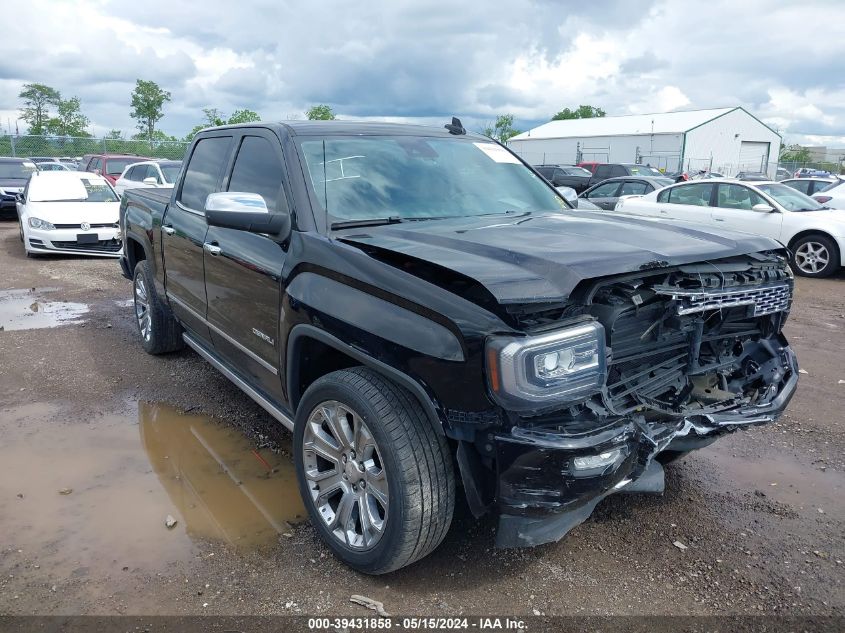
(425, 60)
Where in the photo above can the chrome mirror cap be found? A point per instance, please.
(236, 201)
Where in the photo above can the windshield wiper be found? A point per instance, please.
(351, 224)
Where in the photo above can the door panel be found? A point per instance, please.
(183, 235)
(243, 286)
(734, 202)
(243, 271)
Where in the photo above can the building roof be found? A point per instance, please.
(658, 123)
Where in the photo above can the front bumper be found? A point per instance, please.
(543, 493)
(107, 244)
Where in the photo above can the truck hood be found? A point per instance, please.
(542, 257)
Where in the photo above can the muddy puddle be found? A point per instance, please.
(804, 488)
(28, 309)
(92, 496)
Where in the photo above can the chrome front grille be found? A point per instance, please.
(766, 299)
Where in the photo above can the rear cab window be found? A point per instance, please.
(205, 168)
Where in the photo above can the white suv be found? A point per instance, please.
(148, 173)
(814, 233)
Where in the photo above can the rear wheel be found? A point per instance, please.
(159, 330)
(815, 256)
(376, 476)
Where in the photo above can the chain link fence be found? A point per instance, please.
(23, 146)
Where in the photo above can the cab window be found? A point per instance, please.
(697, 194)
(258, 169)
(738, 197)
(205, 167)
(634, 188)
(604, 190)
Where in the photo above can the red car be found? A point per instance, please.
(591, 166)
(110, 165)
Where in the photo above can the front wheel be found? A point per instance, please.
(815, 256)
(375, 474)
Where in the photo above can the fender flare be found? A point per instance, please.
(304, 331)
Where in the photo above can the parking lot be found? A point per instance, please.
(102, 442)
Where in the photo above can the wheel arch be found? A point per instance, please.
(820, 232)
(304, 338)
(135, 251)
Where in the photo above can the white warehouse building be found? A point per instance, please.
(724, 140)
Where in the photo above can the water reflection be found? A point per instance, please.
(221, 486)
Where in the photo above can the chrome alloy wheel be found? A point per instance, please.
(142, 308)
(345, 475)
(812, 257)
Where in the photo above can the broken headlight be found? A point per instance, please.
(546, 369)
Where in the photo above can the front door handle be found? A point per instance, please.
(718, 219)
(212, 249)
(168, 229)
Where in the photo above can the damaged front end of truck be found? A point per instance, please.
(631, 369)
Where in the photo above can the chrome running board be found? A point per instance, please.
(240, 383)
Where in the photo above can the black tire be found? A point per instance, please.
(415, 458)
(165, 333)
(813, 246)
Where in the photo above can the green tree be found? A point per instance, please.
(148, 101)
(502, 129)
(795, 154)
(115, 135)
(243, 116)
(319, 112)
(37, 99)
(69, 120)
(581, 112)
(214, 117)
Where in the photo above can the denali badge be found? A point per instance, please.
(262, 335)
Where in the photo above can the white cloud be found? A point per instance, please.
(428, 59)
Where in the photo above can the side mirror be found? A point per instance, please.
(762, 208)
(99, 172)
(245, 212)
(151, 181)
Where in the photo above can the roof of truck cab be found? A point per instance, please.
(328, 128)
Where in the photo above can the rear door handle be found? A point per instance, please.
(718, 219)
(168, 229)
(212, 249)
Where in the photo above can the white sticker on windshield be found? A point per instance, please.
(497, 153)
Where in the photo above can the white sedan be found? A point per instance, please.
(814, 233)
(833, 197)
(73, 212)
(148, 173)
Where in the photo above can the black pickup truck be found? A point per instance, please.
(421, 308)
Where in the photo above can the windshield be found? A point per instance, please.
(407, 177)
(645, 170)
(576, 171)
(70, 189)
(115, 166)
(789, 198)
(170, 172)
(17, 170)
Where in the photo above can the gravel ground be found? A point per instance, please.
(760, 513)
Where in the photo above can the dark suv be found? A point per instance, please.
(14, 174)
(604, 171)
(572, 176)
(423, 311)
